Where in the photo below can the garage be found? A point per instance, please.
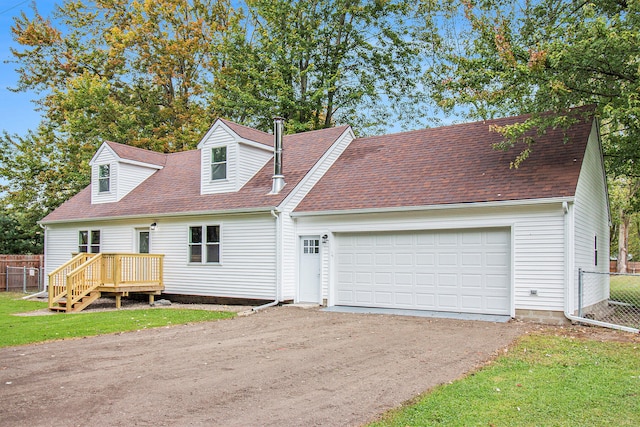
(464, 271)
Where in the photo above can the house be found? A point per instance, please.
(433, 219)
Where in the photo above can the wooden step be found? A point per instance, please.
(86, 300)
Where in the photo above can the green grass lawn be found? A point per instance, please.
(625, 289)
(545, 380)
(16, 330)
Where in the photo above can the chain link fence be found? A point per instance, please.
(24, 279)
(612, 298)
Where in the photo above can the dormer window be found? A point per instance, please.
(218, 163)
(104, 178)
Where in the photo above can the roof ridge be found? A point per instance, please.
(585, 108)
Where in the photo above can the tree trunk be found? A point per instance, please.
(623, 241)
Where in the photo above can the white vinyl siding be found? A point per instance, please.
(289, 250)
(537, 243)
(252, 160)
(105, 157)
(247, 247)
(243, 160)
(591, 219)
(217, 139)
(247, 241)
(130, 176)
(123, 176)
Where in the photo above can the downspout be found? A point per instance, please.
(44, 249)
(569, 278)
(276, 215)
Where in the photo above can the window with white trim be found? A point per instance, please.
(204, 244)
(218, 163)
(89, 241)
(104, 178)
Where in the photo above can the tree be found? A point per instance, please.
(317, 63)
(552, 55)
(123, 70)
(16, 241)
(156, 73)
(548, 55)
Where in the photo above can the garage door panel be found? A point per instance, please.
(472, 238)
(448, 301)
(471, 302)
(425, 279)
(405, 279)
(472, 281)
(448, 280)
(364, 297)
(425, 260)
(426, 301)
(473, 259)
(460, 270)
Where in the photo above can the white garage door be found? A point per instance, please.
(459, 270)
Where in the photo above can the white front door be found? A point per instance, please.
(309, 277)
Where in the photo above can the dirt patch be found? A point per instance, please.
(109, 304)
(282, 366)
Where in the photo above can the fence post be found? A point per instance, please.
(580, 291)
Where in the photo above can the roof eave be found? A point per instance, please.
(238, 211)
(500, 203)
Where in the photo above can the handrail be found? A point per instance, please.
(58, 277)
(84, 279)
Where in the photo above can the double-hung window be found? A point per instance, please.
(218, 163)
(89, 241)
(204, 244)
(104, 178)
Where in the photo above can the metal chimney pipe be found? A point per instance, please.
(278, 177)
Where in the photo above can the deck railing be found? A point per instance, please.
(86, 272)
(58, 277)
(133, 269)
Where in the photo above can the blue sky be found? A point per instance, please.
(17, 113)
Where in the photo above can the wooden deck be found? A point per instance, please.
(86, 277)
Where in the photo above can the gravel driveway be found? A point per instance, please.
(284, 366)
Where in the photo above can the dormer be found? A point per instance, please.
(116, 169)
(230, 155)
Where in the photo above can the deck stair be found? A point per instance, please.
(83, 279)
(79, 305)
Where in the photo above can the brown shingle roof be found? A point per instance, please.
(175, 189)
(137, 154)
(447, 165)
(250, 133)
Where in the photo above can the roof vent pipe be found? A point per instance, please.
(278, 177)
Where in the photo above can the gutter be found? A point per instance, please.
(238, 211)
(501, 203)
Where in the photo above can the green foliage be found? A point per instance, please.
(625, 289)
(18, 330)
(121, 70)
(14, 240)
(547, 55)
(324, 62)
(543, 381)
